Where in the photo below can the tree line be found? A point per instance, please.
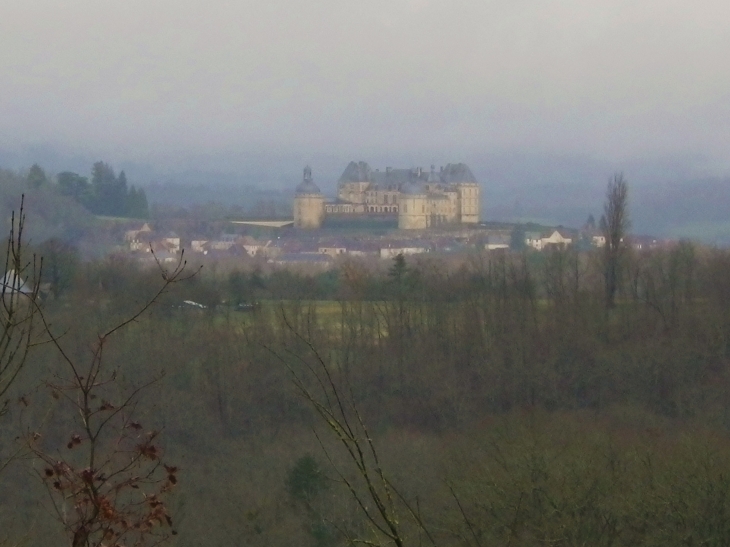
(105, 194)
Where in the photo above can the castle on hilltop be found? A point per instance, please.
(418, 198)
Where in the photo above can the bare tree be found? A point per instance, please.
(107, 485)
(18, 310)
(387, 512)
(614, 225)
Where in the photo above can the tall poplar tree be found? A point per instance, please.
(614, 225)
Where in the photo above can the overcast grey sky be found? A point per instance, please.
(144, 78)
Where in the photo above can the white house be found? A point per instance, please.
(556, 238)
(495, 242)
(254, 247)
(332, 251)
(199, 246)
(534, 240)
(12, 283)
(539, 241)
(138, 239)
(171, 242)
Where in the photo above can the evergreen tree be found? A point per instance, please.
(397, 271)
(107, 194)
(120, 203)
(144, 208)
(591, 222)
(36, 176)
(136, 203)
(517, 238)
(104, 183)
(131, 204)
(102, 175)
(77, 187)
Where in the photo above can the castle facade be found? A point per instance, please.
(420, 199)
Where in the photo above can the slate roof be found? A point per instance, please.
(395, 178)
(457, 172)
(357, 172)
(307, 185)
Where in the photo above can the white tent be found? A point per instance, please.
(12, 282)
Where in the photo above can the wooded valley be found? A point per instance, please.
(502, 401)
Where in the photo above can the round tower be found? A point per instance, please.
(412, 211)
(308, 203)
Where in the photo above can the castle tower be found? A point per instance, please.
(412, 210)
(467, 188)
(308, 203)
(468, 202)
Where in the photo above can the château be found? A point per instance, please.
(418, 198)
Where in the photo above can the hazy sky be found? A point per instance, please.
(140, 78)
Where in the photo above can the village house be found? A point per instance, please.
(559, 238)
(254, 247)
(170, 243)
(199, 246)
(534, 240)
(598, 240)
(333, 251)
(495, 242)
(540, 241)
(642, 243)
(138, 239)
(363, 248)
(224, 243)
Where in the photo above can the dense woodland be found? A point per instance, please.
(519, 398)
(63, 204)
(107, 194)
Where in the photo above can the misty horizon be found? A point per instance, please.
(411, 79)
(530, 95)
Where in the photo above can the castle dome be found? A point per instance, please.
(307, 185)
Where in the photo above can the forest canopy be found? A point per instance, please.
(106, 194)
